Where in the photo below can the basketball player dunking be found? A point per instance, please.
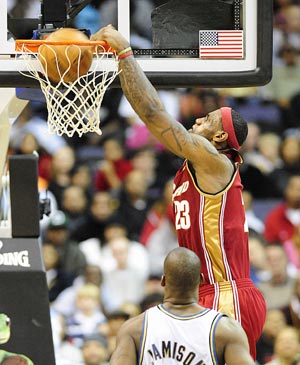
(209, 212)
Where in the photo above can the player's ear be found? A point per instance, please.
(201, 278)
(220, 136)
(163, 281)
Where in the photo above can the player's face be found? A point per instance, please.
(208, 125)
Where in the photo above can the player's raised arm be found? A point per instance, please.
(145, 101)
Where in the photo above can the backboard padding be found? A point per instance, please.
(170, 29)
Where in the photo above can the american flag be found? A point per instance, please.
(221, 44)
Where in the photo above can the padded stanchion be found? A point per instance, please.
(24, 301)
(24, 196)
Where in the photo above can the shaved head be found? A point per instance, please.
(182, 270)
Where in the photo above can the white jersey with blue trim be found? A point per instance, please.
(171, 339)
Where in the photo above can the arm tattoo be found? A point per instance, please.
(202, 143)
(137, 88)
(175, 135)
(143, 97)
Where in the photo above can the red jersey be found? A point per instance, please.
(213, 226)
(122, 168)
(278, 227)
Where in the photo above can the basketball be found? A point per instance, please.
(66, 62)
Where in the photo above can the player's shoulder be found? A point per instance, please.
(228, 327)
(132, 326)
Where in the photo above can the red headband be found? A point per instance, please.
(228, 128)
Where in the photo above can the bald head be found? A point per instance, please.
(182, 270)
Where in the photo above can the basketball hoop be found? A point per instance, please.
(73, 107)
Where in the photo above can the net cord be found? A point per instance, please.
(73, 107)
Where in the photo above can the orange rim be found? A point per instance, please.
(32, 45)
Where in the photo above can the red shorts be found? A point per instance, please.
(239, 299)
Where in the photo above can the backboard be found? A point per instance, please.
(178, 43)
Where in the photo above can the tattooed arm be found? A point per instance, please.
(145, 101)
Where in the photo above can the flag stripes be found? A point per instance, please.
(221, 44)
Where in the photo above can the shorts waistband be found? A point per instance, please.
(225, 285)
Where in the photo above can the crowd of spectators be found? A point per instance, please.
(111, 223)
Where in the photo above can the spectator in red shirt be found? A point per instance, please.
(113, 168)
(282, 223)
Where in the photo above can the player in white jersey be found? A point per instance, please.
(180, 331)
(171, 338)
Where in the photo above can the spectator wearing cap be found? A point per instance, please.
(95, 350)
(71, 259)
(110, 329)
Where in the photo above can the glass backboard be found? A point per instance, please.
(178, 43)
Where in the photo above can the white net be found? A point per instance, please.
(73, 107)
